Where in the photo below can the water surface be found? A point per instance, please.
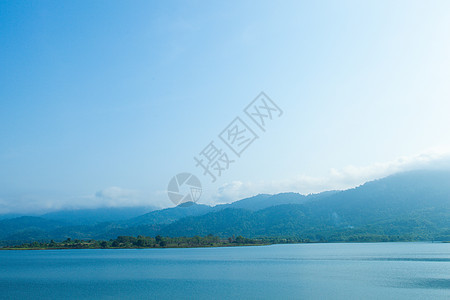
(303, 271)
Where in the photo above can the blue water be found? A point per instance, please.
(305, 271)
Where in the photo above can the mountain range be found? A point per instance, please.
(406, 206)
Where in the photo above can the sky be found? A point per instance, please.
(102, 103)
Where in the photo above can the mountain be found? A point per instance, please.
(252, 203)
(413, 204)
(408, 206)
(255, 203)
(27, 228)
(169, 215)
(262, 201)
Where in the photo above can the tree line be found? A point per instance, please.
(131, 242)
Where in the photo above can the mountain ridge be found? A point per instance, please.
(413, 205)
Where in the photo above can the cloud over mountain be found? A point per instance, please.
(337, 179)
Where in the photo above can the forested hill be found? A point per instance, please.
(407, 206)
(413, 205)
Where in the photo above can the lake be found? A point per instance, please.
(302, 271)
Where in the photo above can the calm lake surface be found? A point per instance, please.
(305, 271)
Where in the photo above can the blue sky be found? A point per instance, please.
(102, 103)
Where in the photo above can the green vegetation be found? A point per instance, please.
(130, 242)
(141, 242)
(412, 206)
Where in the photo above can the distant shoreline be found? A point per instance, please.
(224, 245)
(144, 242)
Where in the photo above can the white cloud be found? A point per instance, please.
(29, 203)
(345, 178)
(41, 202)
(115, 196)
